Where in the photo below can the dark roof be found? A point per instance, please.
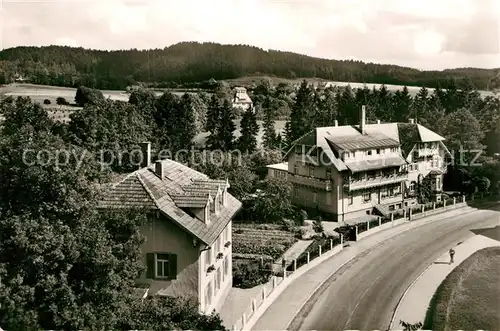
(357, 166)
(362, 142)
(143, 188)
(408, 137)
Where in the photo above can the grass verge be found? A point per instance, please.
(468, 299)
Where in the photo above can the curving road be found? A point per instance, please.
(364, 293)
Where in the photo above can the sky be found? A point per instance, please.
(424, 34)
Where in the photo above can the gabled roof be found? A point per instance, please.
(181, 187)
(332, 140)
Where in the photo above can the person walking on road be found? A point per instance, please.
(452, 253)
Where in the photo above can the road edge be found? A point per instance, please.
(410, 228)
(394, 313)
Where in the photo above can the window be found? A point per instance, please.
(328, 174)
(295, 169)
(383, 193)
(298, 149)
(226, 266)
(296, 192)
(391, 192)
(315, 197)
(161, 265)
(227, 235)
(350, 199)
(311, 172)
(369, 152)
(208, 257)
(412, 186)
(378, 151)
(347, 155)
(217, 281)
(367, 196)
(208, 294)
(415, 166)
(217, 245)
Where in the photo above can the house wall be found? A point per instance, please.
(435, 161)
(162, 235)
(212, 297)
(275, 173)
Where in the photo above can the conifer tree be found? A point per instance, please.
(249, 131)
(226, 127)
(269, 139)
(302, 110)
(213, 121)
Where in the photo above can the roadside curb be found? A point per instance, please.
(316, 289)
(404, 295)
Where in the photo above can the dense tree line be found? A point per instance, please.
(189, 63)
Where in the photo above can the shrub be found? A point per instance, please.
(373, 223)
(302, 216)
(62, 101)
(318, 226)
(46, 102)
(288, 225)
(398, 214)
(248, 273)
(361, 227)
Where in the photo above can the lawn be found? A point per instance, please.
(469, 298)
(261, 239)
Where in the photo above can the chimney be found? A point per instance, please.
(159, 169)
(145, 154)
(412, 121)
(362, 118)
(378, 121)
(335, 123)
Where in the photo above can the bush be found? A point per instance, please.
(288, 225)
(248, 273)
(62, 101)
(386, 219)
(46, 102)
(318, 226)
(398, 214)
(374, 223)
(362, 227)
(302, 216)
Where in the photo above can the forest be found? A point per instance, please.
(192, 64)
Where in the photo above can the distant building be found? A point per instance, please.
(188, 248)
(351, 171)
(279, 170)
(241, 100)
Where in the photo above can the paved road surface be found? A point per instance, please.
(363, 294)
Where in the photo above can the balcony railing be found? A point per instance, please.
(321, 184)
(427, 152)
(373, 182)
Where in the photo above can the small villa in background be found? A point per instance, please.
(351, 171)
(279, 170)
(241, 100)
(188, 248)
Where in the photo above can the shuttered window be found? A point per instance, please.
(161, 266)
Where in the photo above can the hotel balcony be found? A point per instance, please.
(317, 183)
(427, 152)
(365, 183)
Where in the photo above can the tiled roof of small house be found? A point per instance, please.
(181, 187)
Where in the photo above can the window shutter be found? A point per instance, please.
(172, 265)
(150, 264)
